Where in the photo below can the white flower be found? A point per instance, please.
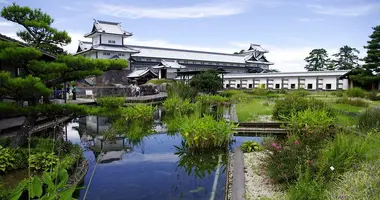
(332, 168)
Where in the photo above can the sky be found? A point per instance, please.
(288, 29)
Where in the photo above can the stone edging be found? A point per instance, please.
(238, 182)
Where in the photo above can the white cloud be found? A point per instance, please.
(75, 37)
(344, 10)
(305, 19)
(221, 8)
(10, 29)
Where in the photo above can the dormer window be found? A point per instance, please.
(111, 41)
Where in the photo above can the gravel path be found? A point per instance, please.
(230, 171)
(257, 185)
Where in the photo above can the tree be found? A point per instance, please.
(317, 60)
(240, 52)
(40, 78)
(369, 74)
(38, 31)
(346, 58)
(372, 60)
(207, 82)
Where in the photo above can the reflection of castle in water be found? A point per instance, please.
(104, 151)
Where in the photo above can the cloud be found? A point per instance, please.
(223, 8)
(75, 37)
(305, 19)
(71, 8)
(345, 11)
(10, 29)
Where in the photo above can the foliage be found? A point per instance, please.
(338, 93)
(370, 119)
(372, 60)
(181, 90)
(354, 102)
(206, 132)
(212, 100)
(292, 104)
(260, 91)
(52, 186)
(175, 106)
(72, 155)
(207, 82)
(251, 146)
(356, 92)
(307, 187)
(317, 60)
(111, 102)
(299, 92)
(346, 58)
(38, 31)
(358, 183)
(160, 81)
(307, 131)
(373, 96)
(42, 161)
(7, 160)
(200, 162)
(345, 152)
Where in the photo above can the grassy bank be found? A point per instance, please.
(249, 111)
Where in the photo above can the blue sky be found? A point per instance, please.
(289, 29)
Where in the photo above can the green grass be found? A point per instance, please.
(249, 111)
(346, 107)
(346, 120)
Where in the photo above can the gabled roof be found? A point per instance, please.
(169, 64)
(182, 54)
(107, 27)
(83, 46)
(257, 47)
(140, 73)
(106, 47)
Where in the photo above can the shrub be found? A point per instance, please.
(259, 91)
(160, 81)
(300, 92)
(370, 119)
(207, 82)
(373, 96)
(176, 106)
(251, 146)
(354, 102)
(308, 131)
(356, 92)
(21, 158)
(43, 161)
(6, 159)
(205, 132)
(292, 104)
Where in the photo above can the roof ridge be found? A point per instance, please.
(107, 22)
(187, 50)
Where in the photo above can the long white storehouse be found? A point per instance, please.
(316, 80)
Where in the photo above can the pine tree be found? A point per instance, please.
(372, 60)
(346, 58)
(38, 30)
(317, 60)
(369, 74)
(41, 76)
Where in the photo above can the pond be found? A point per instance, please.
(153, 168)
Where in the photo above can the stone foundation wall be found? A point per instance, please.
(98, 91)
(113, 77)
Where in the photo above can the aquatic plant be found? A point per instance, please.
(175, 106)
(206, 132)
(111, 102)
(251, 146)
(181, 90)
(7, 161)
(201, 163)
